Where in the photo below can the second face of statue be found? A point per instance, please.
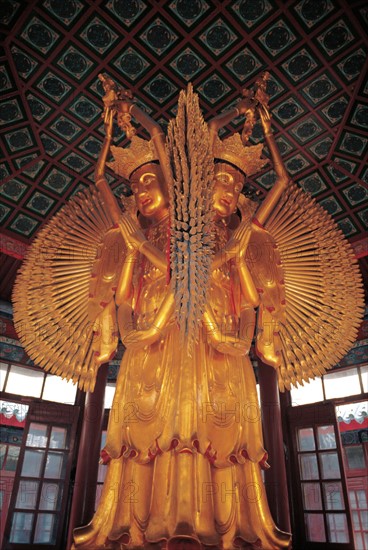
(148, 189)
(228, 183)
(152, 200)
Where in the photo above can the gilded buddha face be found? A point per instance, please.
(228, 183)
(147, 187)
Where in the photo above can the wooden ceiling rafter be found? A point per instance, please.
(347, 114)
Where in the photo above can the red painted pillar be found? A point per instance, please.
(275, 477)
(84, 493)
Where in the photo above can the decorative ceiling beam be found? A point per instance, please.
(13, 247)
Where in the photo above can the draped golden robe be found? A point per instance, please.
(184, 435)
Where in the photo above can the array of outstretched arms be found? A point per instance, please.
(136, 241)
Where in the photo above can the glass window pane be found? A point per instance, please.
(22, 381)
(364, 375)
(58, 390)
(103, 439)
(315, 527)
(359, 541)
(21, 527)
(352, 500)
(362, 499)
(54, 465)
(312, 499)
(333, 495)
(311, 392)
(356, 521)
(17, 410)
(58, 438)
(3, 371)
(2, 454)
(45, 532)
(50, 496)
(337, 528)
(306, 439)
(330, 468)
(341, 384)
(37, 435)
(109, 395)
(102, 470)
(308, 466)
(355, 457)
(32, 463)
(326, 437)
(12, 458)
(349, 413)
(98, 494)
(27, 495)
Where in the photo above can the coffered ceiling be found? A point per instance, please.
(50, 112)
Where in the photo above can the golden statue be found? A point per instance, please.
(186, 284)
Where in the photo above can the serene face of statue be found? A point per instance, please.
(228, 184)
(146, 184)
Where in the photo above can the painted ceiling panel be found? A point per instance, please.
(50, 109)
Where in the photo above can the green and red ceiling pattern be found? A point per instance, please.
(50, 111)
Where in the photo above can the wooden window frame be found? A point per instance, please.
(52, 414)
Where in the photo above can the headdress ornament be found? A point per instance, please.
(245, 158)
(128, 159)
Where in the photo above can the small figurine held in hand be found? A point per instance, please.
(248, 102)
(113, 95)
(261, 84)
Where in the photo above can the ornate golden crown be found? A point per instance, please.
(246, 158)
(141, 151)
(127, 159)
